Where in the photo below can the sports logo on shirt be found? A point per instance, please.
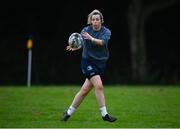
(89, 68)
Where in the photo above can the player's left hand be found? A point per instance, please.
(87, 36)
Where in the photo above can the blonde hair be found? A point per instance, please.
(94, 12)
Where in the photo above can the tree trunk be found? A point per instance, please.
(137, 45)
(133, 24)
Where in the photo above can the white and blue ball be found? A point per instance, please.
(75, 40)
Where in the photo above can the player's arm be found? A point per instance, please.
(97, 41)
(94, 40)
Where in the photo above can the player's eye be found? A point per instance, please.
(95, 19)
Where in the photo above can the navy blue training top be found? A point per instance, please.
(91, 51)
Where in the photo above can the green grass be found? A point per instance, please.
(134, 106)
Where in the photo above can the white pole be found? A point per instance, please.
(29, 46)
(29, 67)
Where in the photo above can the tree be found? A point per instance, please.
(138, 13)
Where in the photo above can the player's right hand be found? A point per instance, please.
(69, 48)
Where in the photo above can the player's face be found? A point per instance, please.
(96, 21)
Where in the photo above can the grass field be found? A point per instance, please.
(134, 106)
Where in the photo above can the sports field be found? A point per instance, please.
(134, 106)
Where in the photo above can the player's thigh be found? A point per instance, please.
(87, 86)
(97, 82)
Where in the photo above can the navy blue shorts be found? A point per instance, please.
(92, 68)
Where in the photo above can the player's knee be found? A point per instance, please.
(84, 92)
(99, 87)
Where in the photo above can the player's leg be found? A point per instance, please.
(85, 89)
(79, 97)
(97, 82)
